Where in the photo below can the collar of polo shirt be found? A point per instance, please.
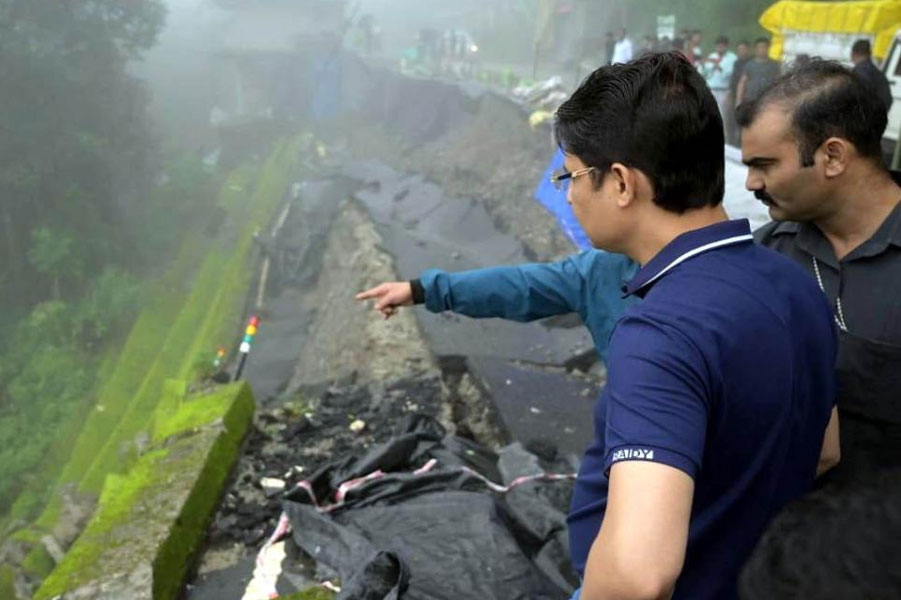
(686, 246)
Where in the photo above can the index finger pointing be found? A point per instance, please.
(371, 293)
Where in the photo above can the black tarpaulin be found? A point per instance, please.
(423, 518)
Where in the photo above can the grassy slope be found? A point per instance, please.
(177, 325)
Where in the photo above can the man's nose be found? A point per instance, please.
(753, 182)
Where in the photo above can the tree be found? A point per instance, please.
(51, 254)
(74, 150)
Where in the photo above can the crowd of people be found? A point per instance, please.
(738, 74)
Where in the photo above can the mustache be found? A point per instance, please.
(763, 196)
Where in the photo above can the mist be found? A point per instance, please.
(192, 193)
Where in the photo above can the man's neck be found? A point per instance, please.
(665, 227)
(860, 214)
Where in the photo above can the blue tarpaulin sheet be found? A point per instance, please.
(554, 201)
(327, 97)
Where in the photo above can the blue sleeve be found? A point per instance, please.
(526, 292)
(658, 396)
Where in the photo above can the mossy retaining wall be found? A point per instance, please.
(151, 521)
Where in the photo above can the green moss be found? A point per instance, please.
(224, 316)
(141, 348)
(82, 563)
(7, 582)
(126, 532)
(197, 411)
(29, 536)
(139, 413)
(175, 555)
(315, 593)
(38, 563)
(174, 391)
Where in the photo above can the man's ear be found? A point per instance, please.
(623, 180)
(836, 154)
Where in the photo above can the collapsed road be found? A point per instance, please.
(334, 381)
(331, 362)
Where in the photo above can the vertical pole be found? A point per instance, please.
(249, 334)
(241, 364)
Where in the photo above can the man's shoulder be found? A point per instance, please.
(769, 234)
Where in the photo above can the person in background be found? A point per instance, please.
(717, 70)
(648, 45)
(862, 57)
(758, 73)
(694, 51)
(742, 56)
(609, 47)
(678, 45)
(622, 52)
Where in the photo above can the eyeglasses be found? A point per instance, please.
(560, 176)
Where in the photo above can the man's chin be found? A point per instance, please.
(777, 214)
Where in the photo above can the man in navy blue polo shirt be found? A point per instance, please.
(720, 381)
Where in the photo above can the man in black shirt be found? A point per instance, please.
(812, 145)
(757, 74)
(862, 57)
(743, 54)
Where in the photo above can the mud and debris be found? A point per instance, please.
(290, 441)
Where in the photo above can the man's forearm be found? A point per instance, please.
(522, 293)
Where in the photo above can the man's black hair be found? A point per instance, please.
(743, 43)
(825, 100)
(862, 48)
(762, 40)
(655, 114)
(722, 40)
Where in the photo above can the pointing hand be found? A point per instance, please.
(389, 297)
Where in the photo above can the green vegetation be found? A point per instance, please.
(134, 397)
(75, 142)
(38, 563)
(49, 380)
(7, 582)
(175, 326)
(159, 511)
(89, 218)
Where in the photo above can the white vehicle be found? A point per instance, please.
(892, 69)
(829, 29)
